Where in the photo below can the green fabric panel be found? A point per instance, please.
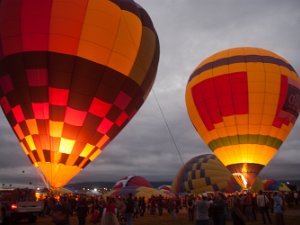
(245, 139)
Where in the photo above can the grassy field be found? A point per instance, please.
(292, 217)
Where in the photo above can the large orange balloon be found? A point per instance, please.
(243, 102)
(72, 74)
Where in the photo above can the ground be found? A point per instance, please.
(292, 217)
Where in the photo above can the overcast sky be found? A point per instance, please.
(189, 31)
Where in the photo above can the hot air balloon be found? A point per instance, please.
(72, 74)
(204, 173)
(273, 185)
(243, 102)
(132, 180)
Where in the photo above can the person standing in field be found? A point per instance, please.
(201, 210)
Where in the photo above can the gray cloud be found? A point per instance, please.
(189, 31)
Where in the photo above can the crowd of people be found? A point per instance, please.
(204, 209)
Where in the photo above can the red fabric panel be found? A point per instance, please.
(239, 89)
(220, 96)
(37, 77)
(121, 119)
(5, 105)
(58, 96)
(200, 105)
(122, 100)
(99, 108)
(75, 117)
(40, 110)
(104, 126)
(11, 28)
(6, 84)
(18, 113)
(35, 26)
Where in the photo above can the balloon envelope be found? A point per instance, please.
(204, 173)
(243, 102)
(72, 74)
(273, 185)
(136, 181)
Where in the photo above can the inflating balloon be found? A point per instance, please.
(72, 74)
(243, 102)
(204, 173)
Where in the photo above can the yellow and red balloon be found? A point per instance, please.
(243, 102)
(72, 74)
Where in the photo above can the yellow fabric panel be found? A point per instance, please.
(273, 78)
(254, 67)
(256, 108)
(265, 130)
(199, 182)
(242, 120)
(219, 125)
(56, 128)
(286, 72)
(65, 25)
(30, 142)
(95, 154)
(55, 157)
(236, 51)
(256, 88)
(267, 120)
(127, 43)
(237, 67)
(274, 132)
(245, 153)
(66, 145)
(232, 131)
(255, 119)
(254, 129)
(53, 173)
(221, 131)
(243, 129)
(186, 185)
(270, 108)
(273, 88)
(271, 68)
(32, 126)
(102, 141)
(229, 121)
(96, 42)
(294, 76)
(144, 57)
(24, 148)
(220, 70)
(255, 97)
(257, 77)
(87, 150)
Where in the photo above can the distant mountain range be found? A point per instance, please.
(155, 184)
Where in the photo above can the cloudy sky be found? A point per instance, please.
(189, 31)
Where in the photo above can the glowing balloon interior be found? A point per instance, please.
(243, 102)
(72, 74)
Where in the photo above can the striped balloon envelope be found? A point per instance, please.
(72, 74)
(243, 102)
(204, 173)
